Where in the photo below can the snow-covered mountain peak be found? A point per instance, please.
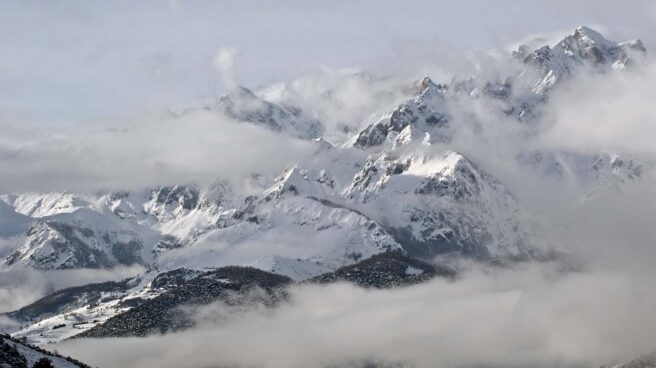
(242, 104)
(586, 36)
(584, 46)
(636, 45)
(426, 85)
(426, 114)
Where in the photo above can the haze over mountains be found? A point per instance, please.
(239, 210)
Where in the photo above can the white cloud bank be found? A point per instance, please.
(529, 316)
(137, 152)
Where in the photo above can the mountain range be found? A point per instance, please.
(399, 190)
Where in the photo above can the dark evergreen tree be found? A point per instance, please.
(43, 363)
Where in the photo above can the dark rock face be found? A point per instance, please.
(185, 196)
(462, 186)
(373, 135)
(385, 270)
(440, 244)
(128, 253)
(167, 312)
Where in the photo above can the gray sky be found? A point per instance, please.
(73, 60)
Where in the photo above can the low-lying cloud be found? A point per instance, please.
(527, 316)
(20, 287)
(133, 153)
(605, 112)
(344, 100)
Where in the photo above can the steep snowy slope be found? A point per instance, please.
(180, 212)
(440, 202)
(83, 239)
(70, 231)
(430, 201)
(294, 235)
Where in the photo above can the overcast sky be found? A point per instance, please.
(74, 60)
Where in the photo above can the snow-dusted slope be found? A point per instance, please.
(17, 354)
(431, 202)
(441, 202)
(296, 235)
